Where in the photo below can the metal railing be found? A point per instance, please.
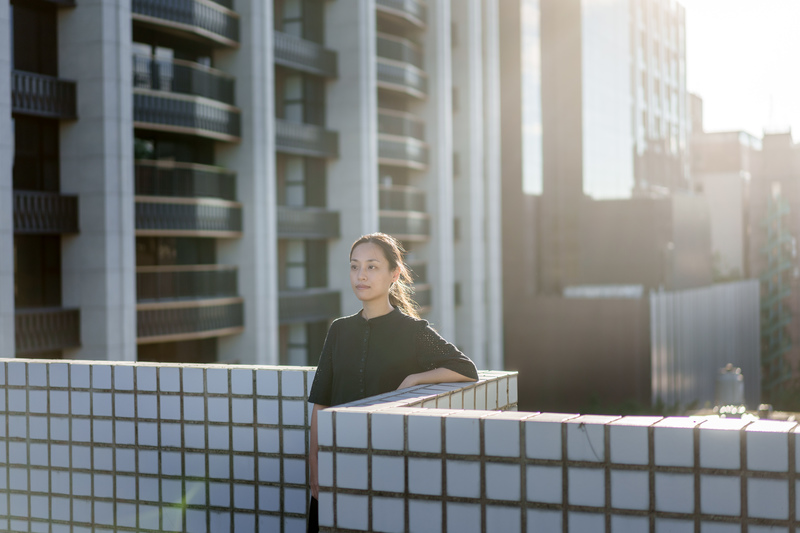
(305, 139)
(401, 124)
(185, 282)
(197, 14)
(309, 305)
(409, 152)
(46, 329)
(43, 96)
(307, 223)
(406, 226)
(307, 56)
(186, 114)
(410, 79)
(172, 321)
(184, 77)
(45, 212)
(399, 49)
(401, 198)
(188, 217)
(188, 180)
(412, 9)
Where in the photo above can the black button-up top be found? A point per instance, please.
(363, 358)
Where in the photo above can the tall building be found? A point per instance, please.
(188, 176)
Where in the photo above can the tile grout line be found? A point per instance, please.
(112, 372)
(606, 473)
(651, 476)
(231, 446)
(184, 501)
(207, 453)
(696, 466)
(743, 510)
(792, 443)
(564, 479)
(523, 476)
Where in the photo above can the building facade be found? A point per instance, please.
(188, 176)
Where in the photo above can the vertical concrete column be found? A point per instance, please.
(352, 110)
(438, 183)
(253, 159)
(468, 188)
(6, 189)
(99, 264)
(493, 251)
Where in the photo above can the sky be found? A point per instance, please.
(743, 59)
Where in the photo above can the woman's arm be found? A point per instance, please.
(313, 468)
(437, 375)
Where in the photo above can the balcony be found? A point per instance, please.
(401, 77)
(181, 282)
(309, 305)
(205, 20)
(42, 213)
(400, 124)
(402, 152)
(399, 49)
(182, 77)
(42, 96)
(189, 115)
(176, 217)
(46, 329)
(305, 139)
(401, 198)
(194, 319)
(307, 223)
(412, 12)
(188, 180)
(406, 225)
(306, 56)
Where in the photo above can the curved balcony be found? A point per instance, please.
(402, 152)
(306, 56)
(177, 217)
(305, 139)
(42, 96)
(44, 213)
(200, 19)
(307, 223)
(401, 198)
(401, 124)
(182, 77)
(188, 180)
(309, 305)
(401, 77)
(194, 319)
(422, 295)
(190, 115)
(399, 49)
(412, 12)
(406, 225)
(181, 282)
(46, 329)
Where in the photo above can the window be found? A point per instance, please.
(36, 154)
(37, 271)
(35, 38)
(161, 251)
(301, 18)
(301, 181)
(300, 97)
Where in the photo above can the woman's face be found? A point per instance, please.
(370, 275)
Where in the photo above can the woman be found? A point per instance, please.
(383, 347)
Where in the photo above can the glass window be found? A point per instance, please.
(36, 154)
(35, 38)
(37, 271)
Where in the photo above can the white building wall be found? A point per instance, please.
(725, 193)
(6, 189)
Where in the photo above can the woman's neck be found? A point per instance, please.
(375, 309)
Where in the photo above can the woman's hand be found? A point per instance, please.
(410, 381)
(437, 375)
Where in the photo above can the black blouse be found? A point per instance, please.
(362, 358)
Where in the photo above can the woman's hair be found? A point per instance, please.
(402, 290)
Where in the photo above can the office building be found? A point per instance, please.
(189, 176)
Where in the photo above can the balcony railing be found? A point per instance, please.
(190, 218)
(185, 282)
(185, 114)
(409, 153)
(406, 225)
(211, 20)
(188, 180)
(413, 11)
(46, 329)
(184, 77)
(164, 322)
(400, 124)
(42, 96)
(307, 223)
(401, 198)
(45, 213)
(309, 305)
(399, 49)
(305, 139)
(403, 78)
(307, 56)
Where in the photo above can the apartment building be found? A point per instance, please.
(188, 176)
